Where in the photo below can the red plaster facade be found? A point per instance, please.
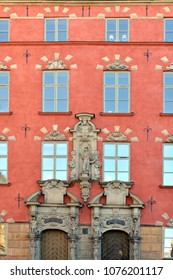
(87, 47)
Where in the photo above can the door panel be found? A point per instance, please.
(115, 245)
(54, 245)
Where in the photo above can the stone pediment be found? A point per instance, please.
(56, 64)
(117, 65)
(116, 192)
(55, 136)
(116, 136)
(53, 190)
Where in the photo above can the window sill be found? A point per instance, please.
(6, 113)
(5, 184)
(54, 113)
(117, 114)
(165, 186)
(166, 114)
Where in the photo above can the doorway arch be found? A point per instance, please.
(115, 245)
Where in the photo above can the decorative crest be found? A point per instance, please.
(116, 136)
(55, 136)
(3, 66)
(56, 64)
(117, 65)
(170, 67)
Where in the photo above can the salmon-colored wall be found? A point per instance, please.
(86, 95)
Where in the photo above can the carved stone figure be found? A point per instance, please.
(97, 165)
(72, 165)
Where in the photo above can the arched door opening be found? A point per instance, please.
(115, 245)
(54, 245)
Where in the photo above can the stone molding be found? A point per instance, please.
(54, 136)
(117, 137)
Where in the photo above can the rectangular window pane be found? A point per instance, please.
(48, 164)
(61, 175)
(168, 179)
(109, 150)
(123, 176)
(49, 78)
(168, 150)
(168, 166)
(48, 106)
(109, 78)
(49, 93)
(62, 92)
(48, 149)
(61, 164)
(123, 150)
(3, 149)
(168, 30)
(4, 30)
(47, 175)
(61, 149)
(109, 165)
(109, 176)
(62, 105)
(123, 107)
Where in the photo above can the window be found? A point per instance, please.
(168, 93)
(116, 162)
(117, 30)
(56, 30)
(3, 162)
(116, 92)
(168, 30)
(4, 30)
(4, 91)
(168, 243)
(168, 164)
(54, 160)
(55, 91)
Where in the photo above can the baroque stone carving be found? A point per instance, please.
(85, 186)
(3, 66)
(54, 191)
(2, 137)
(117, 65)
(2, 239)
(169, 139)
(55, 136)
(170, 67)
(85, 162)
(116, 136)
(56, 64)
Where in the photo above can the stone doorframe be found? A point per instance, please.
(116, 214)
(53, 213)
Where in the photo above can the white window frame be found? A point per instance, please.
(117, 30)
(170, 158)
(4, 156)
(56, 31)
(117, 88)
(164, 89)
(116, 158)
(167, 241)
(8, 89)
(8, 31)
(168, 19)
(55, 86)
(54, 156)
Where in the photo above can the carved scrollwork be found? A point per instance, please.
(116, 136)
(55, 136)
(2, 137)
(117, 65)
(170, 67)
(85, 186)
(169, 139)
(56, 64)
(3, 66)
